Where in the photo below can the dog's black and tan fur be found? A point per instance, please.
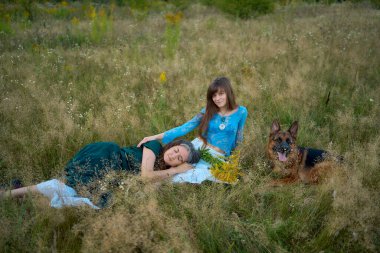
(292, 162)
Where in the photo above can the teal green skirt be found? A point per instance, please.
(93, 161)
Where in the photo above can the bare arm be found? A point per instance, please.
(151, 138)
(19, 192)
(148, 172)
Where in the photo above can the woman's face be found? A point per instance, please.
(220, 98)
(176, 155)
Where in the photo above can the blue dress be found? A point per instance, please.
(224, 132)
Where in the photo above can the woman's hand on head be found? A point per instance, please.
(150, 138)
(145, 140)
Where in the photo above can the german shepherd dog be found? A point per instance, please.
(292, 162)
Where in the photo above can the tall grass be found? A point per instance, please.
(61, 88)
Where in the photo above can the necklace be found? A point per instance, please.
(223, 124)
(224, 120)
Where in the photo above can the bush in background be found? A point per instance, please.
(243, 8)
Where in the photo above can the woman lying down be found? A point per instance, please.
(91, 165)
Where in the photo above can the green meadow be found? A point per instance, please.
(72, 73)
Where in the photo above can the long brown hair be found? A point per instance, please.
(211, 108)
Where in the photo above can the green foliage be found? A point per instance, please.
(28, 231)
(135, 4)
(28, 6)
(243, 8)
(172, 33)
(146, 5)
(181, 4)
(72, 39)
(172, 37)
(101, 25)
(375, 3)
(5, 27)
(22, 11)
(206, 155)
(62, 12)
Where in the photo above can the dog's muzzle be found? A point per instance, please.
(283, 149)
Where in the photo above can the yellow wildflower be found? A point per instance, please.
(112, 7)
(64, 3)
(228, 171)
(91, 12)
(35, 47)
(68, 67)
(7, 18)
(75, 21)
(52, 11)
(26, 14)
(174, 18)
(163, 77)
(102, 13)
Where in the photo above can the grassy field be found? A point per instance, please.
(76, 74)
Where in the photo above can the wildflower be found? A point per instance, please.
(35, 47)
(112, 7)
(163, 77)
(26, 14)
(206, 156)
(7, 18)
(102, 13)
(91, 12)
(228, 171)
(246, 70)
(52, 11)
(64, 3)
(74, 21)
(174, 18)
(224, 169)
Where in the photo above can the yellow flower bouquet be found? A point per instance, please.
(225, 169)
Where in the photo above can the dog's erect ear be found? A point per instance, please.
(293, 129)
(275, 127)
